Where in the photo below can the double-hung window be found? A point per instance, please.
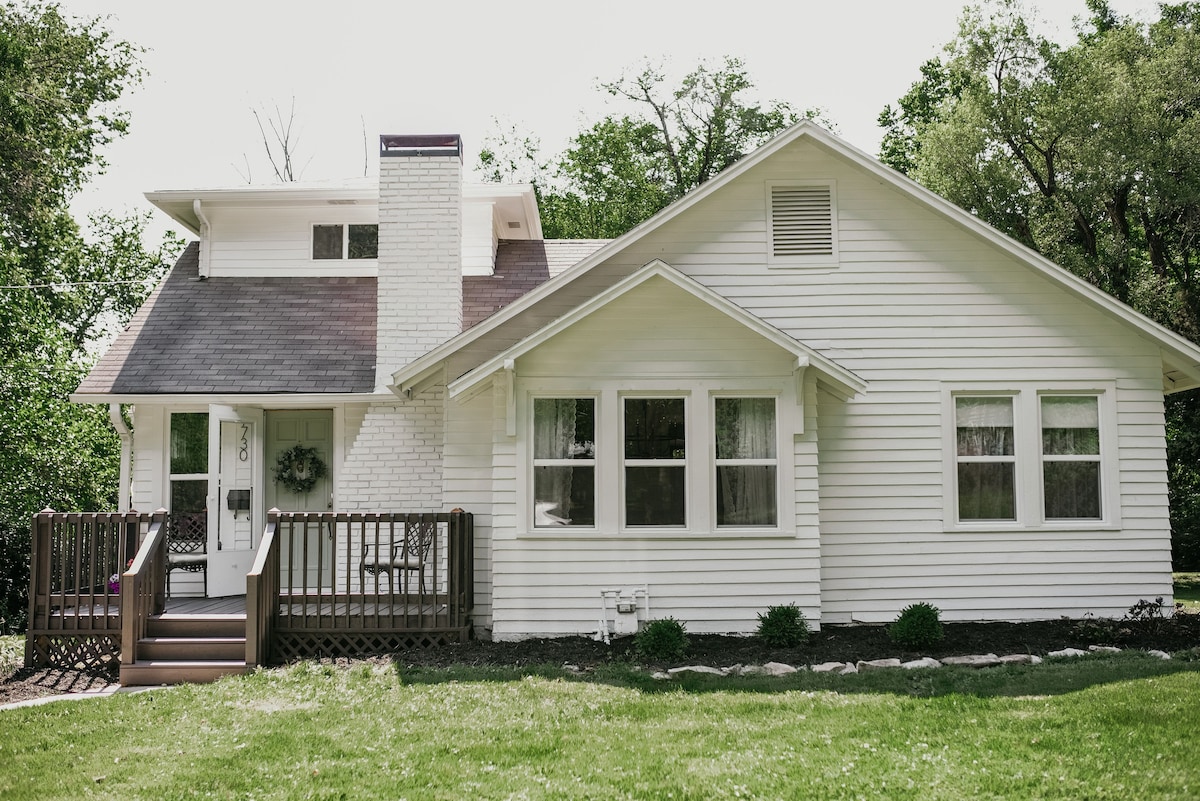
(634, 461)
(1028, 457)
(564, 462)
(655, 435)
(188, 469)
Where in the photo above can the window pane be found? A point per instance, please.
(745, 428)
(189, 442)
(985, 426)
(745, 495)
(1070, 426)
(1072, 490)
(364, 241)
(327, 241)
(189, 496)
(654, 496)
(654, 428)
(564, 496)
(986, 491)
(564, 428)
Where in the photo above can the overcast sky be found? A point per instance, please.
(457, 67)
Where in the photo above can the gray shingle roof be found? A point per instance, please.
(243, 335)
(521, 265)
(276, 335)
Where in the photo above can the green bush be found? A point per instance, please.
(917, 626)
(661, 639)
(782, 626)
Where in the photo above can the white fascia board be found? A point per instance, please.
(839, 378)
(1183, 351)
(275, 400)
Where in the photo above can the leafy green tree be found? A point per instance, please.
(626, 167)
(1087, 152)
(63, 290)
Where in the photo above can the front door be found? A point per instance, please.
(304, 429)
(235, 510)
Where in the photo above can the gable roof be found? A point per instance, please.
(840, 380)
(1181, 358)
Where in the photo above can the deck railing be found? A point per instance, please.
(368, 582)
(262, 590)
(143, 588)
(74, 603)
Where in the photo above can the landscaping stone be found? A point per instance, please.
(658, 674)
(1020, 659)
(697, 669)
(1104, 649)
(973, 660)
(1068, 652)
(829, 667)
(848, 669)
(923, 662)
(778, 669)
(1159, 654)
(877, 664)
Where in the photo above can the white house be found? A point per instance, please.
(810, 381)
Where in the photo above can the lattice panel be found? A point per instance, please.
(287, 646)
(76, 651)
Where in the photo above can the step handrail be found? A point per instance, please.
(143, 587)
(262, 594)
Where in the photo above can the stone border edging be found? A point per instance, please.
(846, 668)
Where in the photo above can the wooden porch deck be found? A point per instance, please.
(321, 584)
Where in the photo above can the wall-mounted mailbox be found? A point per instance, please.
(238, 500)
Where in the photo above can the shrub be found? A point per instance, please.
(782, 626)
(661, 639)
(917, 626)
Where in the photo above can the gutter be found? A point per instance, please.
(126, 435)
(205, 236)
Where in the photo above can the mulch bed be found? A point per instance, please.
(831, 644)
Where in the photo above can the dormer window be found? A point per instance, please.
(345, 242)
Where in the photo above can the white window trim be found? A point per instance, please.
(820, 262)
(1027, 434)
(701, 456)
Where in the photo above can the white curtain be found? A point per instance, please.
(745, 430)
(554, 437)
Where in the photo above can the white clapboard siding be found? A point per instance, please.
(914, 305)
(150, 459)
(467, 476)
(277, 242)
(546, 585)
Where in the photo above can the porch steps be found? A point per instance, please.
(181, 649)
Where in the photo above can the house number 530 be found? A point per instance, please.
(244, 444)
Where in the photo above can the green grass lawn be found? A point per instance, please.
(1187, 590)
(1103, 727)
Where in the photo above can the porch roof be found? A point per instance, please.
(238, 335)
(257, 336)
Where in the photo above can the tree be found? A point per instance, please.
(1088, 153)
(626, 167)
(63, 290)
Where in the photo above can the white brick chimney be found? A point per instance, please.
(420, 248)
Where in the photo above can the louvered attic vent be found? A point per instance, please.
(803, 225)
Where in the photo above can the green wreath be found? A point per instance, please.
(299, 469)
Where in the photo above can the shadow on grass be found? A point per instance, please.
(1053, 677)
(1187, 588)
